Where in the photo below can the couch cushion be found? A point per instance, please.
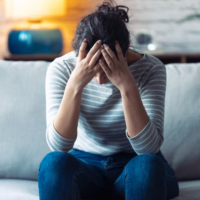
(11, 189)
(182, 120)
(189, 190)
(22, 118)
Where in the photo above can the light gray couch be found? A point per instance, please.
(23, 125)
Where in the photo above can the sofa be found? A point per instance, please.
(23, 127)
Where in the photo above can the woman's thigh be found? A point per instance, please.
(119, 188)
(71, 178)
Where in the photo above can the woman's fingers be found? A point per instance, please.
(97, 67)
(111, 55)
(104, 67)
(119, 52)
(82, 49)
(108, 60)
(93, 50)
(95, 57)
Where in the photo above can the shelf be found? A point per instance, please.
(176, 57)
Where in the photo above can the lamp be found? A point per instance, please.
(37, 35)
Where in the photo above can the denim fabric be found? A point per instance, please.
(80, 175)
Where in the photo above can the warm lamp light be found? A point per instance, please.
(42, 8)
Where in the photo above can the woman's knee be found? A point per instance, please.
(56, 173)
(147, 163)
(53, 159)
(55, 164)
(145, 177)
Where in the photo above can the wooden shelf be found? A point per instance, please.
(179, 58)
(176, 57)
(48, 57)
(165, 58)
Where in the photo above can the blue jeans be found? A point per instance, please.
(77, 175)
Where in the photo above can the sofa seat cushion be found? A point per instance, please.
(16, 189)
(13, 189)
(181, 126)
(189, 190)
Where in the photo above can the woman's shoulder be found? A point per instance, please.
(147, 58)
(64, 64)
(148, 62)
(147, 68)
(68, 57)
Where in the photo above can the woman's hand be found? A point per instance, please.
(86, 67)
(116, 69)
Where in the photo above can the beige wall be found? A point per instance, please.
(161, 17)
(2, 29)
(158, 16)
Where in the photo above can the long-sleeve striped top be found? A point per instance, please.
(101, 125)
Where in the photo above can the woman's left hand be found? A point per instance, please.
(116, 70)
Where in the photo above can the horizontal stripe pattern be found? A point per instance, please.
(101, 125)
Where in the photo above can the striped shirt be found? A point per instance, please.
(101, 125)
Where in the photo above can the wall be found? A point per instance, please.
(2, 30)
(161, 16)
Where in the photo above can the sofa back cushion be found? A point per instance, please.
(22, 118)
(182, 120)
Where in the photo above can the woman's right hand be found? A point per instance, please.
(86, 69)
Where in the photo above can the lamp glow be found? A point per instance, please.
(151, 47)
(41, 8)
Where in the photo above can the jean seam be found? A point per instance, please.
(74, 186)
(174, 176)
(170, 176)
(76, 177)
(165, 182)
(126, 181)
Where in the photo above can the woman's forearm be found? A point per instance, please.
(66, 119)
(135, 114)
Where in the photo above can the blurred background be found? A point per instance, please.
(44, 29)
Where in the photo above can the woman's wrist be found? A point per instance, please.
(73, 84)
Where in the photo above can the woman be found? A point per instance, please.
(105, 116)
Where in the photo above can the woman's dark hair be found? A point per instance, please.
(106, 23)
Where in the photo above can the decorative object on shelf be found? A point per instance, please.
(35, 41)
(145, 40)
(37, 35)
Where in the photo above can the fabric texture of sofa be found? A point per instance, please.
(23, 127)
